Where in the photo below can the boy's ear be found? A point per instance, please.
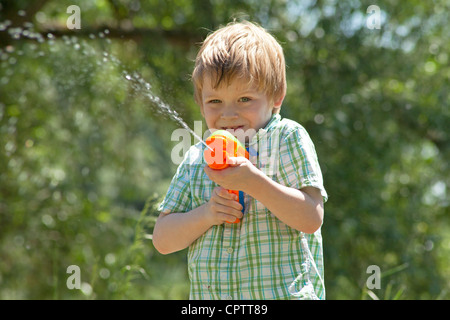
(277, 103)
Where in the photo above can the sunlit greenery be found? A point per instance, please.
(85, 154)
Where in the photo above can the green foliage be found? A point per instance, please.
(85, 154)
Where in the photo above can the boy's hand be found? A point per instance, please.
(239, 176)
(223, 207)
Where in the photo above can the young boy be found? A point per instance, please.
(275, 251)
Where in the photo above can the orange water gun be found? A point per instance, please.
(223, 145)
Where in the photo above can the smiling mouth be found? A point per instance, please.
(233, 128)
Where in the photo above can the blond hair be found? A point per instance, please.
(244, 50)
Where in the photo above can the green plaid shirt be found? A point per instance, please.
(260, 257)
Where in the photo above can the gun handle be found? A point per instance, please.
(240, 196)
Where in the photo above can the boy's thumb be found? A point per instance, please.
(236, 161)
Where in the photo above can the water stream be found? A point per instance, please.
(140, 86)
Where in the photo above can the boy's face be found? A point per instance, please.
(236, 106)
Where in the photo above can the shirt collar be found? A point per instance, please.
(273, 122)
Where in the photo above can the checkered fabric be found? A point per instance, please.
(260, 257)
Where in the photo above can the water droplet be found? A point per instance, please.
(50, 36)
(66, 39)
(4, 80)
(15, 32)
(41, 17)
(5, 24)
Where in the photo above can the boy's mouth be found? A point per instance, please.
(232, 127)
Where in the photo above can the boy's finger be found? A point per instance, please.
(234, 220)
(229, 219)
(235, 161)
(222, 192)
(229, 203)
(231, 214)
(227, 209)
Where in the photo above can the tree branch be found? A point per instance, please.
(179, 37)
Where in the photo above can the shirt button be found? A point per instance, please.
(230, 250)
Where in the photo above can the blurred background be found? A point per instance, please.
(85, 154)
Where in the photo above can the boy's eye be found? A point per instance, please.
(244, 99)
(214, 101)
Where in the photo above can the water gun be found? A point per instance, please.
(223, 145)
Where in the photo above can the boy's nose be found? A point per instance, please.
(229, 112)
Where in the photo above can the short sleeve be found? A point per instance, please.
(178, 197)
(299, 164)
